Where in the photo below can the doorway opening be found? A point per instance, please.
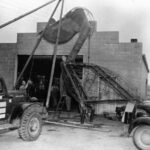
(38, 70)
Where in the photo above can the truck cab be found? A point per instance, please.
(18, 111)
(5, 101)
(140, 127)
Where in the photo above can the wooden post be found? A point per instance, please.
(54, 58)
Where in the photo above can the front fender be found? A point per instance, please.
(137, 122)
(22, 107)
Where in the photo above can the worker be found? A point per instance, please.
(30, 89)
(26, 87)
(23, 86)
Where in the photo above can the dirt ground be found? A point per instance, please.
(109, 135)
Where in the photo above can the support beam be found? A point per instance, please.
(54, 57)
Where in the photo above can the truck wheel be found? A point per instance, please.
(141, 137)
(31, 126)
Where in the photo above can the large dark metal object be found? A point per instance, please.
(75, 21)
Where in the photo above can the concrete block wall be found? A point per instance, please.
(111, 37)
(109, 107)
(7, 63)
(26, 42)
(122, 58)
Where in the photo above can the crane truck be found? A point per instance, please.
(19, 111)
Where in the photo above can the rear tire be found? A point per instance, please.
(31, 126)
(141, 137)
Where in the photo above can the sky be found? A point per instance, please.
(130, 17)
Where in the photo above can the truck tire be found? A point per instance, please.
(141, 137)
(31, 126)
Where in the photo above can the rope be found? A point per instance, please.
(26, 14)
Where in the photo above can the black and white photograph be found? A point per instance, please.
(74, 75)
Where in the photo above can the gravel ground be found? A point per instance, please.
(109, 135)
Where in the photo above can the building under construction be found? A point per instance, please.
(103, 49)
